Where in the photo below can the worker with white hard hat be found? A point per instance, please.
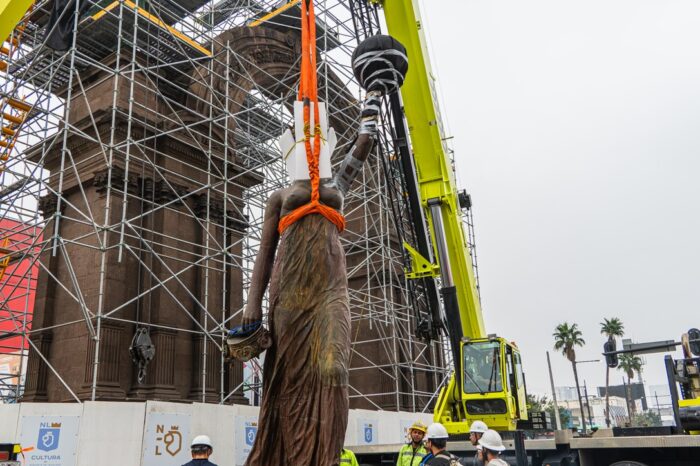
(413, 452)
(436, 442)
(492, 446)
(201, 449)
(476, 430)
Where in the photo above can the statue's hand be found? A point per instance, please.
(251, 315)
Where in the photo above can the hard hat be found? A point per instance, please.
(478, 427)
(419, 426)
(201, 441)
(492, 441)
(436, 431)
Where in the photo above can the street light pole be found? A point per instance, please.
(588, 403)
(557, 419)
(578, 390)
(658, 410)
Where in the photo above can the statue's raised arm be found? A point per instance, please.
(357, 155)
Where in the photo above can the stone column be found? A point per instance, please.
(210, 279)
(37, 369)
(237, 227)
(168, 374)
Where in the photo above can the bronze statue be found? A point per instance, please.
(304, 410)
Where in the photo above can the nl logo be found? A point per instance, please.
(49, 436)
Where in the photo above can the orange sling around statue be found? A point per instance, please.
(315, 133)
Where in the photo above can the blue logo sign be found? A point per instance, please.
(368, 433)
(48, 438)
(250, 433)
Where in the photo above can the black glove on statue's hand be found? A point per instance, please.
(371, 105)
(370, 113)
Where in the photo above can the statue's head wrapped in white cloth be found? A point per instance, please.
(293, 147)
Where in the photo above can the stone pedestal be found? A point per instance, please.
(135, 244)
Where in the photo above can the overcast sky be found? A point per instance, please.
(576, 130)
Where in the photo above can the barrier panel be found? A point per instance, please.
(159, 433)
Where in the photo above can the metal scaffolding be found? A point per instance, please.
(136, 171)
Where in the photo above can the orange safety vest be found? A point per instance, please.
(308, 92)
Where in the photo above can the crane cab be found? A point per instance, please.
(492, 388)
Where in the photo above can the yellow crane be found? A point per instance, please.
(488, 381)
(11, 13)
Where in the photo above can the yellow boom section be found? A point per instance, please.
(11, 11)
(433, 165)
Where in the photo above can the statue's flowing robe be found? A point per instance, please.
(304, 408)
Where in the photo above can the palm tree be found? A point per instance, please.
(566, 337)
(629, 364)
(611, 328)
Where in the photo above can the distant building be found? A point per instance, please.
(635, 393)
(566, 393)
(11, 376)
(596, 416)
(659, 397)
(660, 393)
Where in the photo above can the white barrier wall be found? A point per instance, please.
(101, 424)
(159, 433)
(8, 421)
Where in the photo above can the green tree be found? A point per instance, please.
(630, 364)
(566, 338)
(564, 414)
(536, 404)
(543, 403)
(611, 328)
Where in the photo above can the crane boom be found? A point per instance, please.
(488, 382)
(436, 177)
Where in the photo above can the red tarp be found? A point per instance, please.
(18, 285)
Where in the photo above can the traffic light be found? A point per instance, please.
(694, 341)
(610, 359)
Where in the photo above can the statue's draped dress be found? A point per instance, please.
(304, 409)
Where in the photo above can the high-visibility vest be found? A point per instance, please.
(410, 457)
(348, 458)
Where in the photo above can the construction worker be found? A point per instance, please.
(492, 446)
(347, 458)
(436, 443)
(476, 430)
(201, 451)
(413, 452)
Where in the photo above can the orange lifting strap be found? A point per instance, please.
(308, 92)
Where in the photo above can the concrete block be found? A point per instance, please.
(563, 436)
(603, 433)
